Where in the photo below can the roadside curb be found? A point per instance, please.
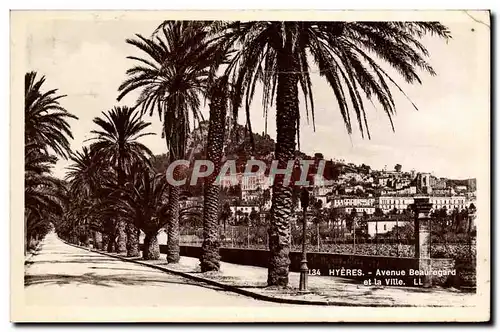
(244, 291)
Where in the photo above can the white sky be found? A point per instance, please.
(87, 61)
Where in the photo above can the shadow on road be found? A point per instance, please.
(76, 261)
(108, 280)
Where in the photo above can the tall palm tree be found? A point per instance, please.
(87, 177)
(116, 143)
(209, 259)
(172, 80)
(280, 54)
(44, 195)
(46, 133)
(144, 203)
(45, 120)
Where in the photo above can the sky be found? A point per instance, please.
(86, 60)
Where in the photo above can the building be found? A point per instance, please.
(244, 209)
(250, 195)
(360, 210)
(449, 202)
(389, 203)
(321, 186)
(443, 192)
(383, 181)
(424, 185)
(351, 175)
(383, 225)
(408, 191)
(352, 201)
(253, 181)
(439, 184)
(191, 202)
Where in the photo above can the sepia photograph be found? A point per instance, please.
(250, 166)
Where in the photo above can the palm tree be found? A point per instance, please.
(45, 120)
(144, 203)
(44, 195)
(88, 176)
(116, 143)
(279, 55)
(209, 259)
(172, 80)
(46, 132)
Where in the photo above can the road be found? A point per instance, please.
(61, 275)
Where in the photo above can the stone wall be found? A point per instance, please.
(361, 267)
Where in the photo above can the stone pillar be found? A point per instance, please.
(422, 208)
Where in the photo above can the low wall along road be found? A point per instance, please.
(327, 264)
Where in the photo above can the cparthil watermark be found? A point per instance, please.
(288, 176)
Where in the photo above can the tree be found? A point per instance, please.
(144, 203)
(318, 218)
(116, 143)
(278, 54)
(352, 220)
(44, 195)
(46, 136)
(225, 215)
(398, 168)
(45, 120)
(87, 177)
(209, 259)
(172, 80)
(378, 212)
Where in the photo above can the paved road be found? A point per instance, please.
(61, 274)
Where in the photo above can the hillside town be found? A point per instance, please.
(360, 200)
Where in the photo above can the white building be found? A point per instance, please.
(359, 209)
(250, 195)
(252, 181)
(352, 201)
(230, 180)
(389, 203)
(400, 192)
(448, 202)
(244, 209)
(383, 226)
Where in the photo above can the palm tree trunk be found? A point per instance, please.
(132, 240)
(210, 258)
(287, 111)
(317, 232)
(121, 225)
(95, 243)
(151, 249)
(111, 244)
(121, 244)
(105, 241)
(173, 254)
